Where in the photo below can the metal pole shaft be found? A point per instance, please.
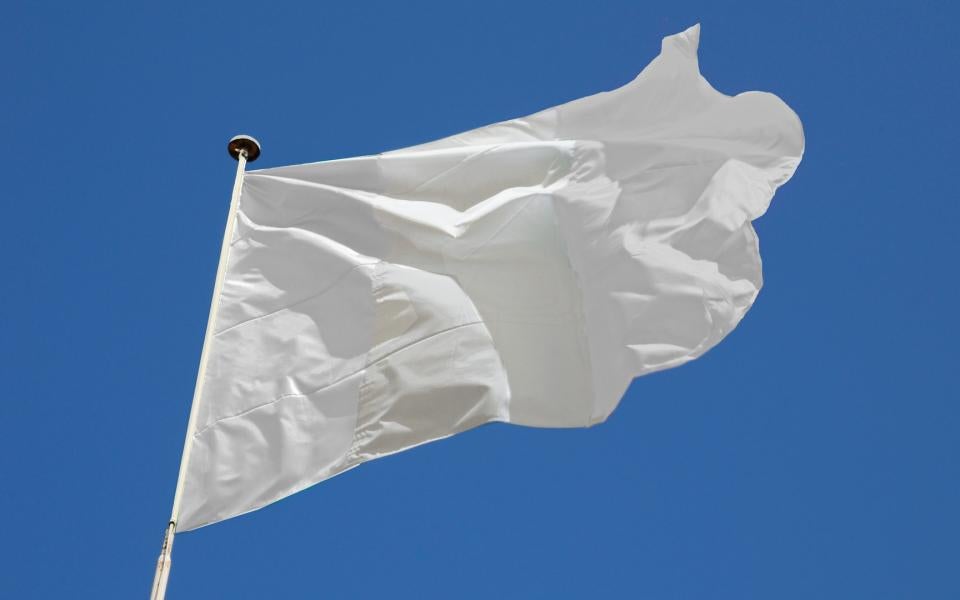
(164, 562)
(162, 573)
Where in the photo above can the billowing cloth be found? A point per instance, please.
(523, 272)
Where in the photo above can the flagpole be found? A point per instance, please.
(243, 149)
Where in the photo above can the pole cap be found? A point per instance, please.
(240, 143)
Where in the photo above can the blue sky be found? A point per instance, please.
(813, 454)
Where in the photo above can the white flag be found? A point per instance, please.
(523, 272)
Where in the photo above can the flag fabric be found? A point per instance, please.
(522, 272)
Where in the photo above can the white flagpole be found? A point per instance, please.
(244, 149)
